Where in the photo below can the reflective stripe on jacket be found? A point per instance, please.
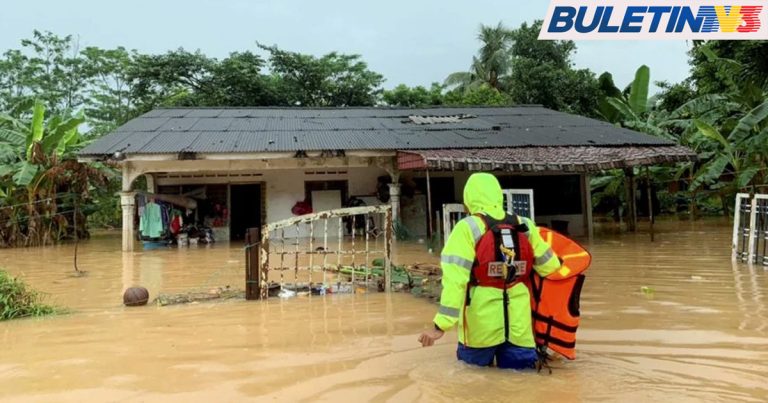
(482, 323)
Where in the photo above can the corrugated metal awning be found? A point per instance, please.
(543, 159)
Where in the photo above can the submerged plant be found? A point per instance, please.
(401, 232)
(17, 300)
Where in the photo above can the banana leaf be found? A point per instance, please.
(36, 134)
(638, 94)
(25, 173)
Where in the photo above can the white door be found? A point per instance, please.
(324, 200)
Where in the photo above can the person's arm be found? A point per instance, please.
(545, 261)
(456, 263)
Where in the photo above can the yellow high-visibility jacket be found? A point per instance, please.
(485, 315)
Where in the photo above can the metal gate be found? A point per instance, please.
(516, 201)
(452, 213)
(750, 229)
(299, 248)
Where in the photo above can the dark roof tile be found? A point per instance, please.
(224, 130)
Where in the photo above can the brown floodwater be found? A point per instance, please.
(672, 320)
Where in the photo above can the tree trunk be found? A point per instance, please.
(724, 197)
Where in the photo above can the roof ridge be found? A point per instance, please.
(384, 107)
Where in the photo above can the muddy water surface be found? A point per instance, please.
(698, 332)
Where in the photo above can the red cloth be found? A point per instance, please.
(176, 225)
(301, 208)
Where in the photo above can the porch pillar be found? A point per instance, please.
(394, 200)
(587, 192)
(128, 203)
(151, 183)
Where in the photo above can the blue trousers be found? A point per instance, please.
(507, 355)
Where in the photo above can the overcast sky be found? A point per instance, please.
(414, 42)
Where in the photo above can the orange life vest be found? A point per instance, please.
(555, 298)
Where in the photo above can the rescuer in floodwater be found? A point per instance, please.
(483, 280)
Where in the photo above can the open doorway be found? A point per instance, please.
(245, 209)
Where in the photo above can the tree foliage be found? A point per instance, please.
(524, 70)
(717, 75)
(41, 180)
(720, 111)
(331, 80)
(405, 96)
(492, 64)
(56, 96)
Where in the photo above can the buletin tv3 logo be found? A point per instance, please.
(656, 19)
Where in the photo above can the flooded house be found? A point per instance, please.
(249, 166)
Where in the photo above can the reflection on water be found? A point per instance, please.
(698, 332)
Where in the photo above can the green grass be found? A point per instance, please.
(17, 300)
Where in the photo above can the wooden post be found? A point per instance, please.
(388, 236)
(252, 264)
(650, 199)
(440, 234)
(429, 206)
(587, 192)
(631, 202)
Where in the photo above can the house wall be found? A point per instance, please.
(547, 190)
(577, 225)
(284, 187)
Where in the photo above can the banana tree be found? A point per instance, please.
(729, 131)
(40, 167)
(616, 107)
(632, 109)
(742, 150)
(608, 193)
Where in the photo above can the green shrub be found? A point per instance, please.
(401, 232)
(17, 300)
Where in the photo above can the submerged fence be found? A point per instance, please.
(750, 229)
(317, 248)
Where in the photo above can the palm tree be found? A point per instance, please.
(491, 65)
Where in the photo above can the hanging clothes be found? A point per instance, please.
(141, 200)
(176, 222)
(151, 221)
(165, 212)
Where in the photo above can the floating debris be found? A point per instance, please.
(429, 284)
(420, 279)
(216, 294)
(647, 291)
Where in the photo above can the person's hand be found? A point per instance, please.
(429, 337)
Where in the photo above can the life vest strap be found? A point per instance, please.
(551, 321)
(549, 339)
